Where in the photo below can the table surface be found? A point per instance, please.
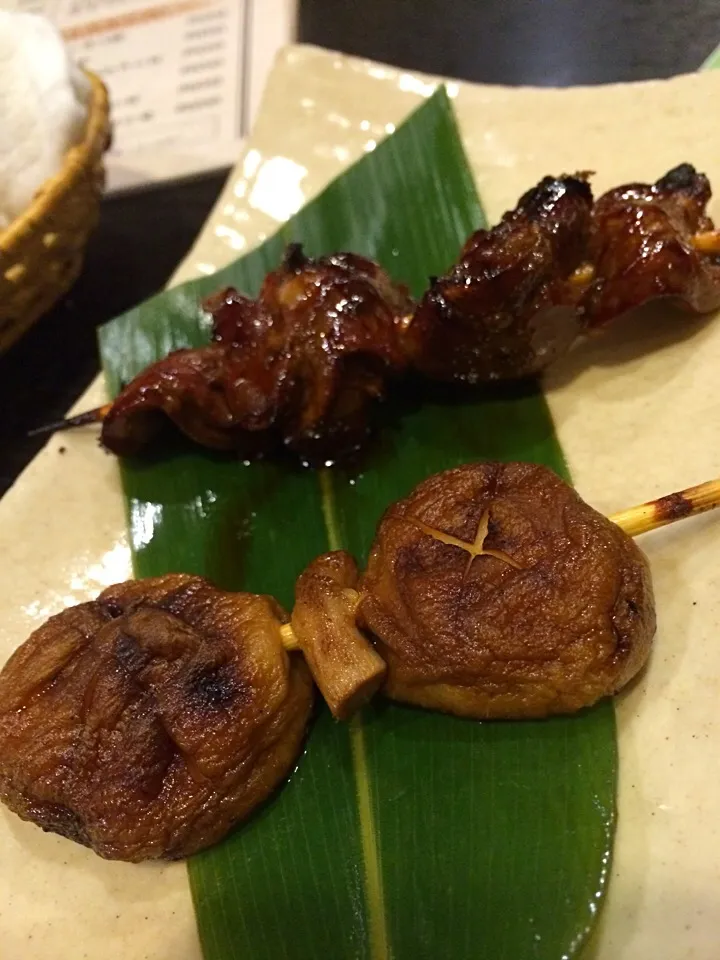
(143, 235)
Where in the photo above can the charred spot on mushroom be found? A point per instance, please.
(129, 655)
(147, 723)
(54, 818)
(212, 687)
(493, 590)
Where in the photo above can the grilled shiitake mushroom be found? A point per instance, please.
(492, 590)
(147, 723)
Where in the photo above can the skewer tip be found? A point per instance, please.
(79, 420)
(675, 506)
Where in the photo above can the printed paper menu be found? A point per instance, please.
(184, 76)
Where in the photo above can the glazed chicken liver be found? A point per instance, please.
(643, 246)
(508, 308)
(300, 366)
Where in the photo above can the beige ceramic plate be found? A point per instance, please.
(637, 415)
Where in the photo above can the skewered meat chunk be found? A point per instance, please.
(205, 391)
(643, 247)
(300, 365)
(147, 723)
(493, 590)
(508, 308)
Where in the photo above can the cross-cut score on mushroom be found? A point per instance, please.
(344, 664)
(148, 722)
(476, 549)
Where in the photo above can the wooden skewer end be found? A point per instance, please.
(668, 509)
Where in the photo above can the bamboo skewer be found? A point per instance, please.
(707, 241)
(289, 638)
(79, 420)
(583, 276)
(668, 509)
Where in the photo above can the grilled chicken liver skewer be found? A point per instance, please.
(303, 364)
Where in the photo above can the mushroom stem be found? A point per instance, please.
(668, 509)
(344, 663)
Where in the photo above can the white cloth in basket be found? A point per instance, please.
(43, 107)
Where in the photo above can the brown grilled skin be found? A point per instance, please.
(507, 309)
(642, 247)
(299, 366)
(483, 638)
(147, 723)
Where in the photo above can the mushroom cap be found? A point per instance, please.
(148, 722)
(542, 606)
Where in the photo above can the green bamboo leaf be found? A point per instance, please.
(712, 62)
(404, 834)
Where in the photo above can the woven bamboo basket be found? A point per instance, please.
(41, 252)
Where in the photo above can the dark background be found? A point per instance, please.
(143, 235)
(555, 43)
